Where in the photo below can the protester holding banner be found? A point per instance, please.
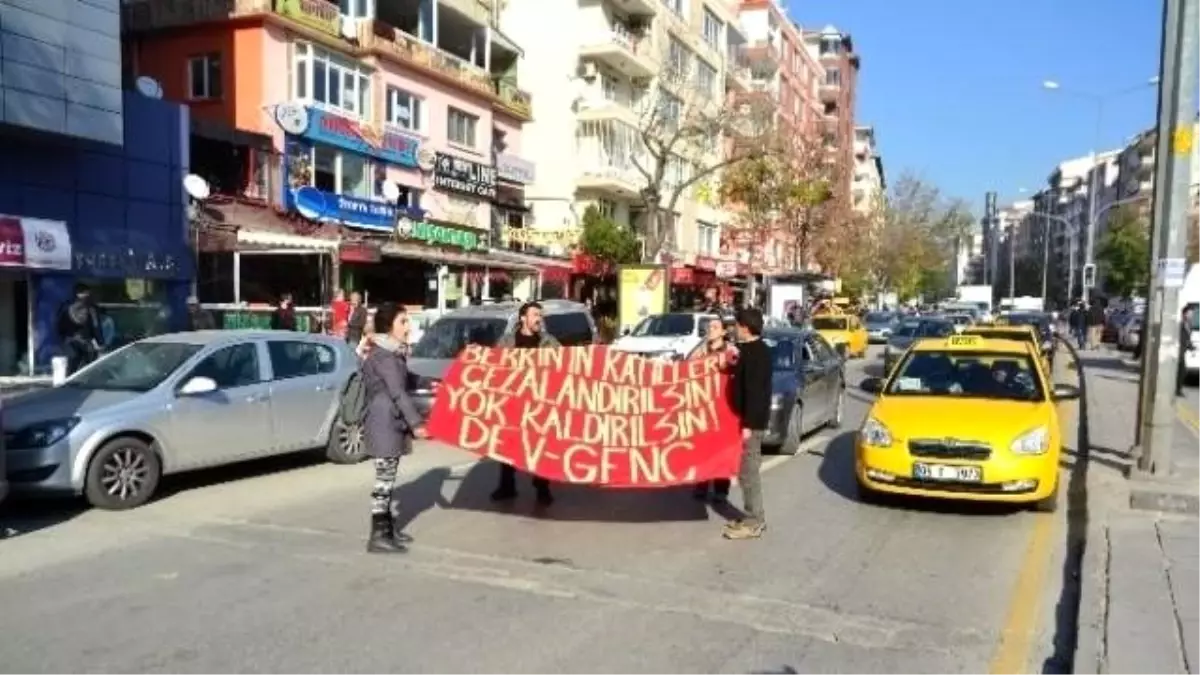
(528, 335)
(716, 341)
(751, 400)
(391, 420)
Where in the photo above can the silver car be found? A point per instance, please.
(179, 402)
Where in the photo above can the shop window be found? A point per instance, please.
(204, 77)
(460, 128)
(130, 309)
(405, 110)
(355, 176)
(328, 80)
(325, 168)
(299, 359)
(343, 173)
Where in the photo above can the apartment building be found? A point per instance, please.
(781, 67)
(604, 75)
(834, 50)
(90, 183)
(869, 183)
(373, 145)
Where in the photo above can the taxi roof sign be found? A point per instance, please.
(968, 341)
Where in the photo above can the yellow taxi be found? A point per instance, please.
(966, 418)
(845, 332)
(1019, 333)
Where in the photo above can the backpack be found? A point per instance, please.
(352, 407)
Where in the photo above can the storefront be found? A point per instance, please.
(29, 248)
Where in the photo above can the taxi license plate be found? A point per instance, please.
(947, 472)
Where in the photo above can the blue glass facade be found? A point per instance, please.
(124, 206)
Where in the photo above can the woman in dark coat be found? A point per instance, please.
(392, 420)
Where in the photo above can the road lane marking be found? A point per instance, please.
(1188, 417)
(1024, 612)
(806, 447)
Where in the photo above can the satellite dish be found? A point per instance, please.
(426, 159)
(196, 187)
(391, 191)
(309, 202)
(293, 118)
(149, 87)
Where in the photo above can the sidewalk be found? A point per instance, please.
(1139, 607)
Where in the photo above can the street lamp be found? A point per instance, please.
(1070, 226)
(1097, 99)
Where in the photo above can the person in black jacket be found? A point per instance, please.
(284, 316)
(79, 329)
(356, 323)
(751, 400)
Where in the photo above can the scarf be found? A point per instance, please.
(389, 343)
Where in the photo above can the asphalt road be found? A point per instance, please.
(261, 569)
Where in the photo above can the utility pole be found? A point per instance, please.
(989, 238)
(1012, 259)
(1177, 102)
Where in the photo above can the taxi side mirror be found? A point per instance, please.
(1065, 392)
(872, 385)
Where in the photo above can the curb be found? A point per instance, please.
(1090, 647)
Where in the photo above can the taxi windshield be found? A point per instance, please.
(968, 374)
(829, 323)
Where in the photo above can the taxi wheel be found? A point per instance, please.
(1048, 504)
(794, 433)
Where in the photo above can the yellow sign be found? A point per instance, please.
(964, 341)
(641, 292)
(566, 236)
(1183, 139)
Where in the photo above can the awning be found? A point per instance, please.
(458, 259)
(280, 240)
(520, 258)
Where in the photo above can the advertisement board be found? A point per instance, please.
(642, 291)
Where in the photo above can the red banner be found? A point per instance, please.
(591, 415)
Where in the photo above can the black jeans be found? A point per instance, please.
(508, 481)
(719, 487)
(79, 353)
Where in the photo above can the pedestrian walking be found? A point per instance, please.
(751, 399)
(391, 421)
(79, 329)
(529, 334)
(716, 341)
(356, 319)
(199, 318)
(1096, 318)
(1077, 320)
(1185, 346)
(284, 316)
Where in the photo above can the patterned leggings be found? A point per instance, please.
(385, 483)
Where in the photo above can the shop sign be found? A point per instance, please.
(317, 14)
(322, 126)
(727, 269)
(563, 236)
(129, 263)
(34, 243)
(366, 214)
(682, 276)
(515, 169)
(359, 253)
(706, 263)
(463, 176)
(434, 234)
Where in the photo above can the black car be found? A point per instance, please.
(808, 387)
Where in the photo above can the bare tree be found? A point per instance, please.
(918, 235)
(689, 136)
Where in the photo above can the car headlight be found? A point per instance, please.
(1032, 442)
(874, 433)
(43, 434)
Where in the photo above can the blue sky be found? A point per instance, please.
(954, 87)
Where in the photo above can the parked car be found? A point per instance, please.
(960, 321)
(1130, 334)
(569, 322)
(808, 387)
(671, 336)
(880, 326)
(179, 402)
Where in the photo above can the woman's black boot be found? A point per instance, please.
(383, 537)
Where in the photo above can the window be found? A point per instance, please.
(330, 81)
(356, 8)
(405, 110)
(830, 46)
(675, 6)
(678, 58)
(670, 109)
(300, 359)
(204, 77)
(833, 77)
(342, 173)
(230, 367)
(571, 329)
(355, 175)
(712, 28)
(607, 208)
(821, 350)
(706, 79)
(460, 128)
(707, 239)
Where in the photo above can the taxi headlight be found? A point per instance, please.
(875, 434)
(1032, 442)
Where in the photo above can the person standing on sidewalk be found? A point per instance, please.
(356, 319)
(1185, 346)
(1096, 319)
(284, 316)
(716, 341)
(751, 399)
(79, 329)
(391, 421)
(528, 335)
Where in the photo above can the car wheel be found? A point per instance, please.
(794, 434)
(835, 418)
(122, 475)
(1048, 504)
(346, 444)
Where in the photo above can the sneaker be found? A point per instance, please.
(744, 530)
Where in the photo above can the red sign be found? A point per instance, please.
(34, 243)
(12, 242)
(359, 253)
(591, 415)
(705, 263)
(682, 276)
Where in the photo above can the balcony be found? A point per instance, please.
(610, 180)
(380, 37)
(738, 77)
(829, 92)
(148, 15)
(636, 7)
(625, 111)
(621, 50)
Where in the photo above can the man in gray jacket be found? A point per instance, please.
(529, 334)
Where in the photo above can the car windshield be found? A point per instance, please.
(907, 329)
(140, 366)
(959, 319)
(935, 329)
(829, 323)
(960, 374)
(666, 325)
(879, 317)
(446, 337)
(783, 353)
